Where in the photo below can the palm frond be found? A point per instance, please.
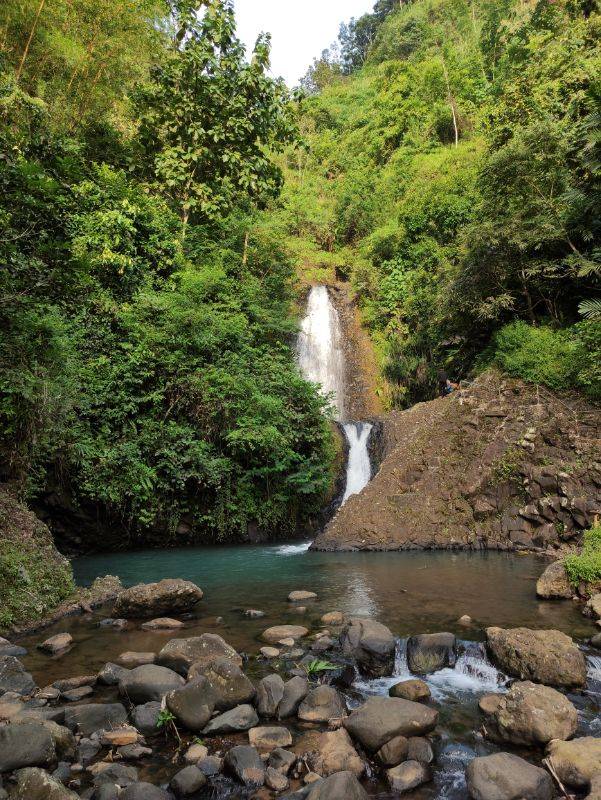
(591, 309)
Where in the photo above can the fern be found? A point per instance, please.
(591, 309)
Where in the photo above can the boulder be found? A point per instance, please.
(407, 776)
(14, 678)
(269, 652)
(548, 656)
(420, 749)
(162, 624)
(180, 654)
(372, 646)
(340, 786)
(415, 690)
(230, 685)
(268, 738)
(270, 692)
(195, 753)
(533, 715)
(394, 752)
(210, 765)
(275, 781)
(577, 761)
(330, 752)
(144, 791)
(380, 719)
(92, 717)
(593, 607)
(109, 772)
(321, 705)
(595, 789)
(554, 584)
(131, 660)
(111, 674)
(151, 600)
(29, 744)
(503, 776)
(79, 682)
(278, 632)
(56, 644)
(295, 691)
(245, 764)
(37, 784)
(282, 760)
(150, 682)
(146, 716)
(192, 704)
(63, 739)
(333, 618)
(187, 781)
(430, 652)
(241, 718)
(300, 596)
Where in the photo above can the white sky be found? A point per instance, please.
(300, 29)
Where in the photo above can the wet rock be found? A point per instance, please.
(79, 682)
(394, 752)
(430, 652)
(269, 652)
(300, 596)
(14, 678)
(133, 752)
(180, 654)
(489, 703)
(26, 745)
(371, 644)
(596, 641)
(56, 644)
(333, 618)
(245, 764)
(407, 776)
(268, 738)
(295, 691)
(150, 682)
(12, 650)
(277, 632)
(503, 776)
(151, 600)
(254, 613)
(62, 738)
(595, 788)
(415, 690)
(548, 657)
(532, 714)
(420, 749)
(229, 684)
(120, 624)
(553, 584)
(94, 717)
(120, 737)
(145, 717)
(321, 705)
(576, 762)
(282, 760)
(111, 674)
(465, 621)
(37, 784)
(195, 753)
(131, 660)
(73, 695)
(270, 692)
(341, 786)
(187, 781)
(330, 752)
(593, 607)
(380, 719)
(241, 718)
(118, 774)
(275, 781)
(193, 704)
(144, 791)
(210, 765)
(162, 624)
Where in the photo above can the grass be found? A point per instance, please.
(587, 565)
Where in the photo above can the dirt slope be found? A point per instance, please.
(501, 465)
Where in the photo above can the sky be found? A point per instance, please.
(300, 29)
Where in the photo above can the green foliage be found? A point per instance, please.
(317, 667)
(165, 718)
(586, 566)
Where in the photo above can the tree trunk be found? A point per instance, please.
(450, 99)
(30, 39)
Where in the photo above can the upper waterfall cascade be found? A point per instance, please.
(321, 359)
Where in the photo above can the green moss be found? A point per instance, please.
(586, 567)
(507, 468)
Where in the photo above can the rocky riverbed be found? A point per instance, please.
(338, 710)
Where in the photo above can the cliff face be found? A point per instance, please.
(499, 465)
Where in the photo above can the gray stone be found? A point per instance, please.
(321, 705)
(407, 776)
(420, 749)
(131, 659)
(14, 678)
(29, 744)
(278, 632)
(394, 752)
(268, 738)
(295, 691)
(193, 704)
(414, 689)
(180, 654)
(371, 644)
(187, 781)
(340, 786)
(504, 776)
(329, 752)
(270, 692)
(229, 684)
(106, 792)
(145, 718)
(73, 695)
(380, 719)
(95, 717)
(430, 652)
(150, 682)
(241, 718)
(36, 784)
(150, 600)
(554, 584)
(56, 644)
(275, 780)
(245, 764)
(118, 774)
(111, 674)
(282, 760)
(144, 791)
(210, 765)
(576, 762)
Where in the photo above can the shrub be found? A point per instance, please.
(587, 565)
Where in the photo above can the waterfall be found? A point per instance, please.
(320, 353)
(358, 469)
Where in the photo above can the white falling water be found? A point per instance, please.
(320, 352)
(358, 469)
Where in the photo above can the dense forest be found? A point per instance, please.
(161, 195)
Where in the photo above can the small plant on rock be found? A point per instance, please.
(317, 667)
(166, 721)
(587, 565)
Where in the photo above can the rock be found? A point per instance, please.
(489, 703)
(420, 749)
(275, 781)
(87, 750)
(150, 682)
(131, 660)
(74, 695)
(12, 650)
(112, 773)
(299, 596)
(150, 600)
(56, 644)
(265, 739)
(254, 613)
(465, 621)
(333, 618)
(548, 657)
(430, 652)
(79, 682)
(133, 752)
(120, 737)
(48, 693)
(340, 786)
(380, 719)
(241, 718)
(269, 652)
(311, 777)
(371, 644)
(14, 678)
(503, 776)
(415, 690)
(278, 632)
(295, 691)
(29, 744)
(531, 714)
(576, 762)
(195, 753)
(553, 584)
(407, 776)
(36, 784)
(92, 717)
(144, 791)
(111, 674)
(596, 641)
(282, 760)
(270, 692)
(229, 684)
(145, 717)
(244, 763)
(162, 624)
(393, 752)
(321, 705)
(330, 752)
(595, 790)
(286, 642)
(180, 654)
(63, 739)
(192, 704)
(187, 781)
(593, 607)
(210, 765)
